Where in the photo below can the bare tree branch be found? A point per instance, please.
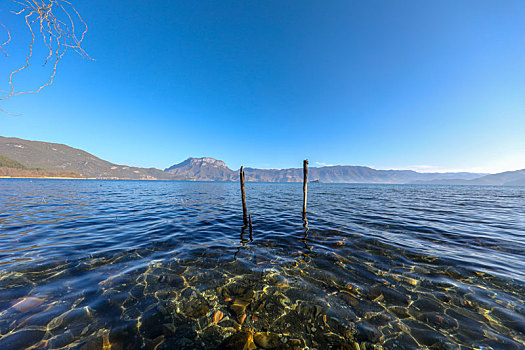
(7, 41)
(55, 23)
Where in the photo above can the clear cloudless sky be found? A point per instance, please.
(399, 84)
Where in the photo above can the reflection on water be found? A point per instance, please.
(243, 240)
(171, 265)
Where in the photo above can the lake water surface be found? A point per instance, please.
(168, 265)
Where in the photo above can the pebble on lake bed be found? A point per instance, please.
(218, 316)
(242, 340)
(266, 340)
(27, 304)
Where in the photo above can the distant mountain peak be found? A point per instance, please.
(205, 169)
(198, 162)
(208, 161)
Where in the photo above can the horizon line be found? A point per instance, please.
(424, 169)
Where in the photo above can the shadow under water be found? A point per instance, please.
(284, 287)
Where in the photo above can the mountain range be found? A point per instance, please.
(209, 169)
(16, 153)
(55, 156)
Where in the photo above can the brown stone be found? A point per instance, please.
(266, 340)
(239, 341)
(239, 306)
(218, 316)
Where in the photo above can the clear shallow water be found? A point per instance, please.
(165, 265)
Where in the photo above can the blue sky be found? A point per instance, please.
(402, 84)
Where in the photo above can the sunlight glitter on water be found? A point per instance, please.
(131, 264)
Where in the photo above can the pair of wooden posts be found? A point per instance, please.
(247, 218)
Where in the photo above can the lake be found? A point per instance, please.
(88, 264)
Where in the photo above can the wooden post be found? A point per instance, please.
(251, 228)
(243, 194)
(305, 185)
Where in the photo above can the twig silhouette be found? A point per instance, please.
(53, 21)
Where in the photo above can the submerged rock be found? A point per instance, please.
(196, 307)
(74, 319)
(61, 340)
(27, 304)
(169, 329)
(349, 346)
(242, 340)
(266, 340)
(348, 298)
(172, 280)
(239, 306)
(399, 311)
(218, 316)
(242, 297)
(21, 340)
(403, 341)
(367, 332)
(102, 342)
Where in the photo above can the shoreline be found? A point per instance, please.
(209, 181)
(50, 177)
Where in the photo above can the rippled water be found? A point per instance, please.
(168, 265)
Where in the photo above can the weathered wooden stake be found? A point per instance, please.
(243, 194)
(305, 185)
(251, 228)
